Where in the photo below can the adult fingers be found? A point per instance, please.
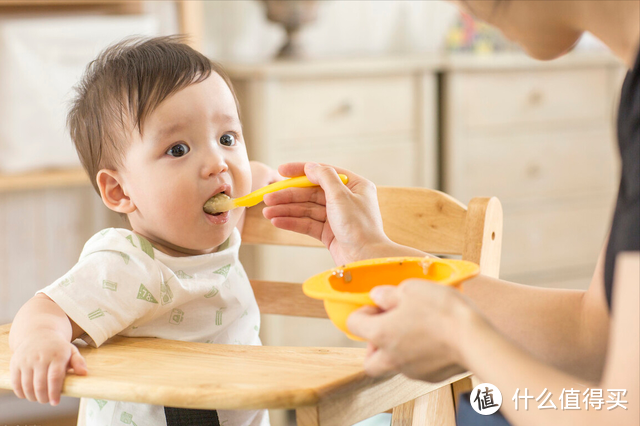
(325, 176)
(40, 378)
(379, 364)
(310, 210)
(292, 169)
(300, 225)
(356, 183)
(363, 322)
(385, 296)
(371, 348)
(296, 195)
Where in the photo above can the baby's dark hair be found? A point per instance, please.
(122, 86)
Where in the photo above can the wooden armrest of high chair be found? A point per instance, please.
(323, 383)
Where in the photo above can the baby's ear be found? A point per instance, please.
(113, 193)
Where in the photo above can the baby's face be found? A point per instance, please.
(191, 149)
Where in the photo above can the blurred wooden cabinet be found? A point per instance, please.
(375, 117)
(541, 137)
(538, 135)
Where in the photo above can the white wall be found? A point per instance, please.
(239, 30)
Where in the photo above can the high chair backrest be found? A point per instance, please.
(426, 219)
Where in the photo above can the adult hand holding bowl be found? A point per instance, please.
(346, 288)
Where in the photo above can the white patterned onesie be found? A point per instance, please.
(122, 285)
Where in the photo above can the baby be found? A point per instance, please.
(157, 128)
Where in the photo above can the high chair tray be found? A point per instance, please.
(211, 376)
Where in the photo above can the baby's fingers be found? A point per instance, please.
(16, 381)
(57, 371)
(40, 388)
(26, 379)
(77, 362)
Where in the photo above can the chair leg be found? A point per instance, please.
(459, 387)
(307, 416)
(433, 409)
(402, 415)
(82, 412)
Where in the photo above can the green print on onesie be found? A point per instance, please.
(127, 419)
(219, 313)
(96, 314)
(177, 315)
(183, 275)
(166, 293)
(101, 403)
(146, 246)
(224, 271)
(125, 257)
(145, 294)
(212, 292)
(67, 281)
(110, 285)
(103, 232)
(130, 238)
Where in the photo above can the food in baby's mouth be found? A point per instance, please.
(217, 203)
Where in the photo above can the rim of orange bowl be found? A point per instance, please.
(318, 286)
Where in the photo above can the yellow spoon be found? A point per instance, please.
(221, 202)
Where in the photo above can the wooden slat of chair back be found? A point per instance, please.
(425, 219)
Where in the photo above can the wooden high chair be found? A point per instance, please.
(326, 386)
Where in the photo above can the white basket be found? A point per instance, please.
(41, 60)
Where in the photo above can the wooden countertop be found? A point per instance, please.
(402, 64)
(43, 179)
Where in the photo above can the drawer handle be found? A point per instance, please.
(533, 171)
(345, 108)
(536, 97)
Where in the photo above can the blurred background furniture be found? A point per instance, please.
(541, 137)
(380, 95)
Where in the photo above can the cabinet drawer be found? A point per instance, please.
(381, 161)
(533, 165)
(554, 236)
(533, 97)
(343, 107)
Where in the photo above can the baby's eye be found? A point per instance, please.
(228, 139)
(178, 150)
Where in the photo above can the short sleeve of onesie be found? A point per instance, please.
(114, 284)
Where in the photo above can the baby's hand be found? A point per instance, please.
(262, 175)
(39, 365)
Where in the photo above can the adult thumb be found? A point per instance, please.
(325, 176)
(385, 296)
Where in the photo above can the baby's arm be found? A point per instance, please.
(40, 339)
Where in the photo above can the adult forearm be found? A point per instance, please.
(547, 323)
(39, 315)
(496, 360)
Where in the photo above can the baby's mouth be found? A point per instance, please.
(212, 204)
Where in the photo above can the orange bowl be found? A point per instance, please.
(346, 288)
